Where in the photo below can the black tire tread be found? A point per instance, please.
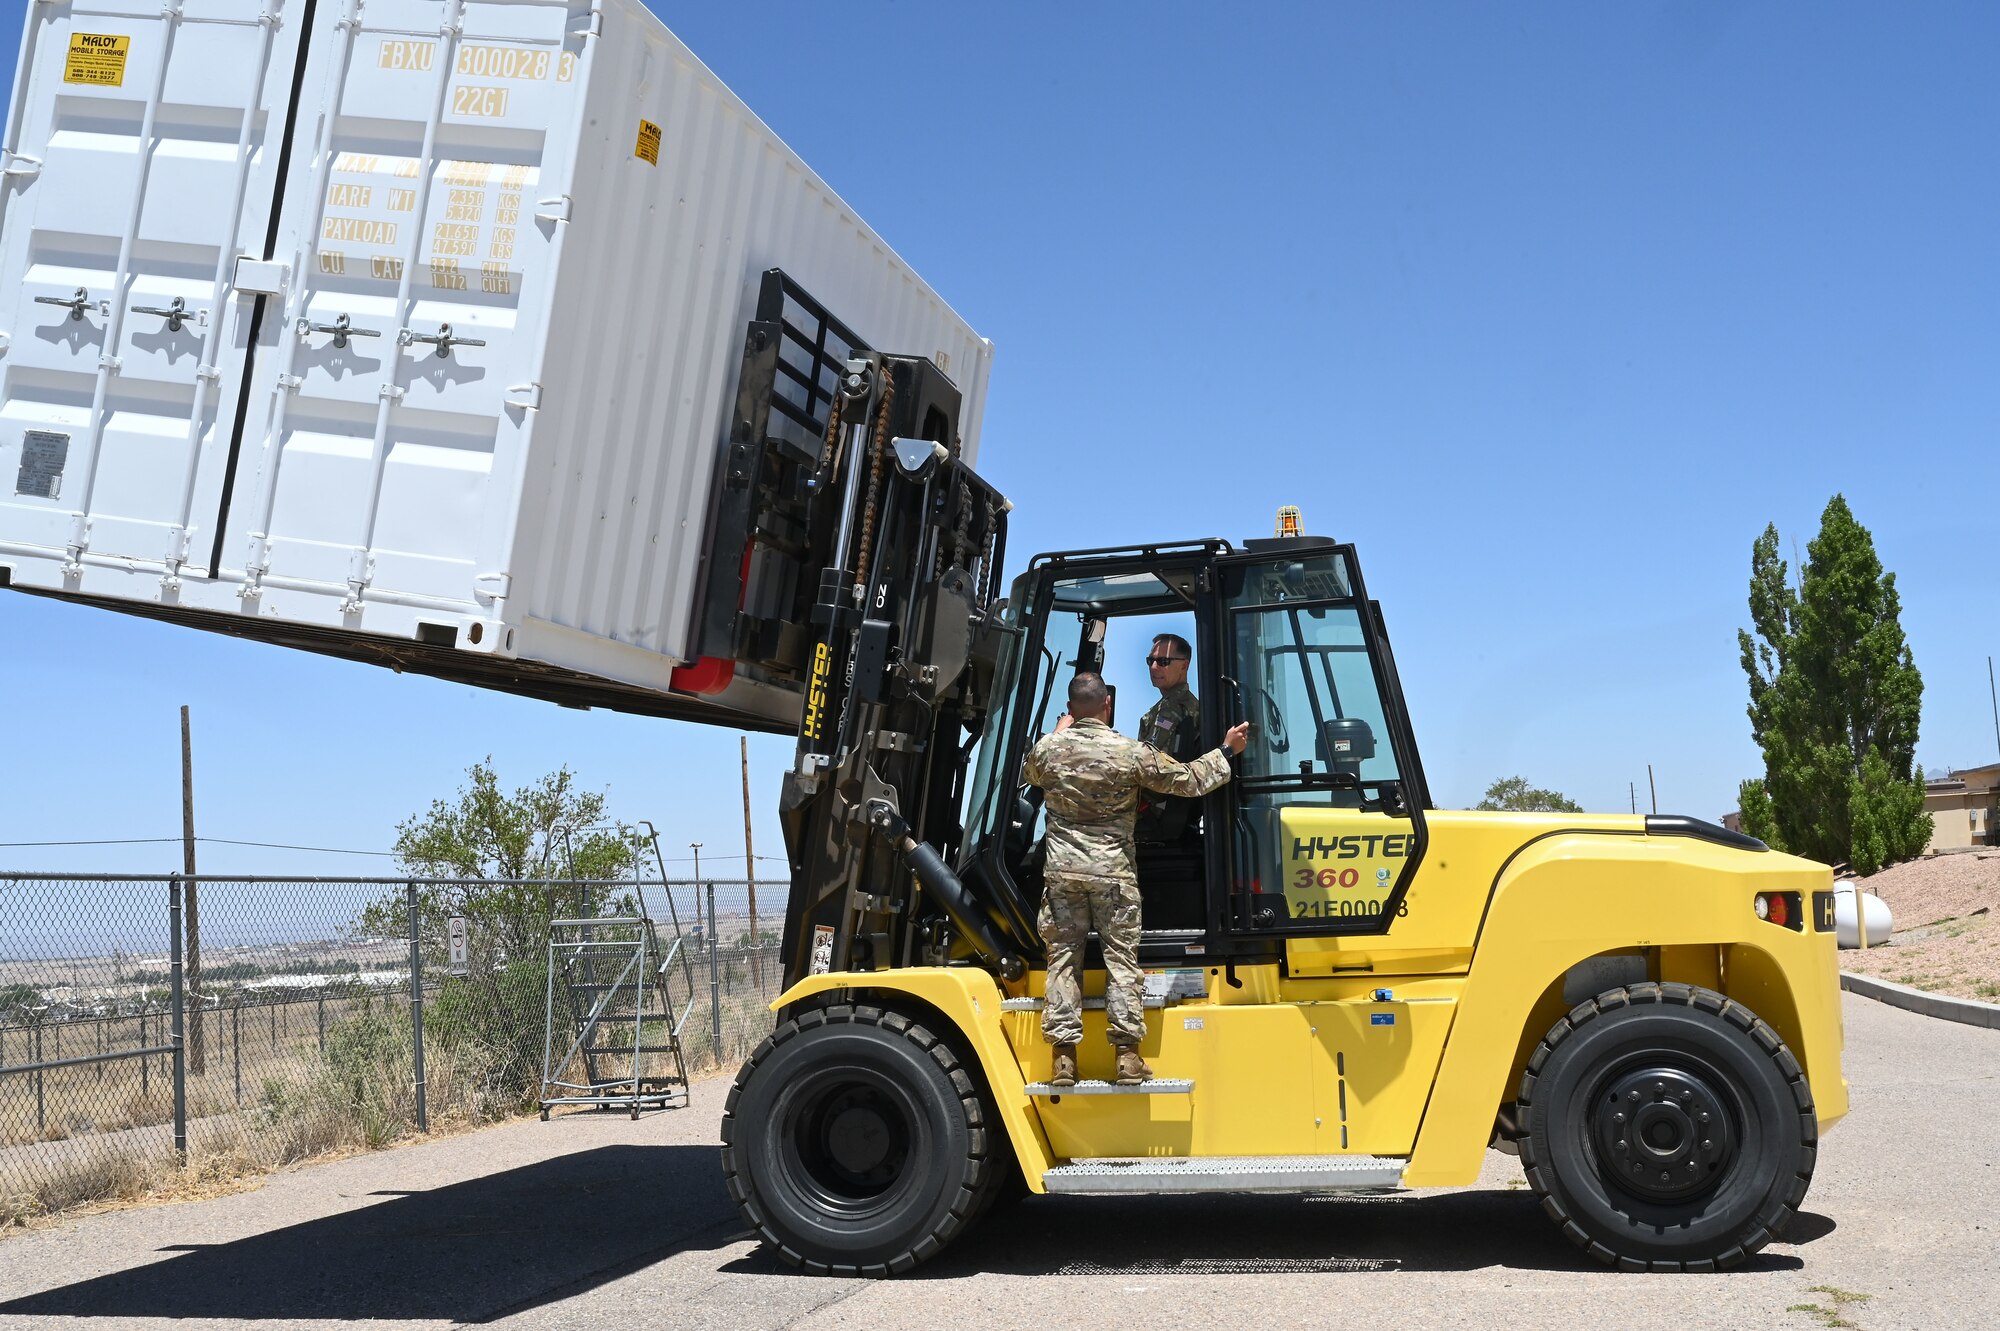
(974, 1191)
(1773, 1222)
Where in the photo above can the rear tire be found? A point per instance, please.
(1667, 1129)
(856, 1143)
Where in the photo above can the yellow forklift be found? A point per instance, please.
(1347, 986)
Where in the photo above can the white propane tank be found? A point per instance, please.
(1875, 914)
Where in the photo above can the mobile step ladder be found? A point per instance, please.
(621, 1017)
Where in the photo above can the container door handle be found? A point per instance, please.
(340, 328)
(77, 304)
(443, 339)
(175, 315)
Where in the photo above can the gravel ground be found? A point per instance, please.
(596, 1222)
(1945, 939)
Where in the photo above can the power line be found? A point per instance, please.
(280, 845)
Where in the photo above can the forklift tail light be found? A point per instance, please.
(1781, 908)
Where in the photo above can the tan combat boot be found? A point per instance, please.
(1062, 1070)
(1132, 1069)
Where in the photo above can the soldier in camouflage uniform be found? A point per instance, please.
(1092, 776)
(1173, 726)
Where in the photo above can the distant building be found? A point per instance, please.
(1733, 821)
(1964, 808)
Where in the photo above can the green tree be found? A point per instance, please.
(1515, 795)
(1832, 686)
(495, 844)
(1758, 818)
(512, 862)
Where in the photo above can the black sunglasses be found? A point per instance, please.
(1163, 660)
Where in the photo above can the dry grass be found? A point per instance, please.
(359, 1096)
(1944, 940)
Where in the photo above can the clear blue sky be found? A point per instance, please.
(1550, 307)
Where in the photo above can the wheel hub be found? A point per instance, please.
(850, 1142)
(1662, 1133)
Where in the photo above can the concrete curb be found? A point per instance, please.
(1965, 1010)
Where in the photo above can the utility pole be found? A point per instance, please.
(195, 1054)
(695, 846)
(1653, 788)
(1995, 698)
(750, 864)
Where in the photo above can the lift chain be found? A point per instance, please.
(878, 447)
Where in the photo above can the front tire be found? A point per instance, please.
(1667, 1129)
(855, 1142)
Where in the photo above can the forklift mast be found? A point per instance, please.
(856, 557)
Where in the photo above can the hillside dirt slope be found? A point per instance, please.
(1945, 937)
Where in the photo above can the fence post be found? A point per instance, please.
(41, 1101)
(236, 1043)
(417, 1012)
(177, 1015)
(145, 1063)
(714, 976)
(322, 1017)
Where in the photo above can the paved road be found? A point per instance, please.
(597, 1223)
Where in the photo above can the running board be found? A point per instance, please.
(1092, 1004)
(1224, 1173)
(1153, 1086)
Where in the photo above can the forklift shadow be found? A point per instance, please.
(469, 1251)
(1329, 1232)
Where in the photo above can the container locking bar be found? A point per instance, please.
(176, 314)
(443, 340)
(341, 329)
(77, 304)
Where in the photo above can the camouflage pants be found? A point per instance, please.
(1071, 907)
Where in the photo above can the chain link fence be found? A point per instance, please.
(157, 1028)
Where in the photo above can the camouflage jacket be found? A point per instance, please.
(1173, 726)
(1092, 776)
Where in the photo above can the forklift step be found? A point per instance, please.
(1221, 1173)
(1090, 1004)
(626, 1049)
(1157, 1086)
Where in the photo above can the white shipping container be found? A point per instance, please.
(420, 320)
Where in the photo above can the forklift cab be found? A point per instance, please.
(1320, 829)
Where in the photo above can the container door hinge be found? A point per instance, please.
(20, 164)
(111, 363)
(290, 382)
(360, 572)
(493, 586)
(595, 27)
(79, 541)
(525, 395)
(553, 210)
(391, 391)
(179, 542)
(255, 562)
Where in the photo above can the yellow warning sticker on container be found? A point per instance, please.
(97, 59)
(649, 142)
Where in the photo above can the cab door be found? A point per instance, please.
(1328, 816)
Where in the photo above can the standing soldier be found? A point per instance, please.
(1173, 726)
(1092, 776)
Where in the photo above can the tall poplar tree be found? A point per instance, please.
(1835, 699)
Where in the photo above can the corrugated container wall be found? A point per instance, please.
(416, 321)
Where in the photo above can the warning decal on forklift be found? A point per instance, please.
(822, 961)
(97, 59)
(649, 142)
